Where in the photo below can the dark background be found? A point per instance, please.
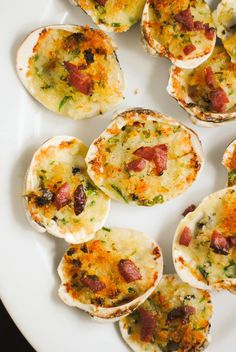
(11, 337)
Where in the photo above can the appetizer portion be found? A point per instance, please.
(204, 246)
(59, 196)
(176, 317)
(225, 21)
(144, 158)
(181, 30)
(208, 92)
(71, 70)
(112, 274)
(112, 15)
(229, 161)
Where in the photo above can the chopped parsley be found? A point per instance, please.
(64, 101)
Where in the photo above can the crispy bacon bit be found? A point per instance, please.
(79, 200)
(145, 152)
(218, 100)
(101, 2)
(79, 80)
(189, 209)
(185, 237)
(129, 270)
(136, 165)
(209, 77)
(62, 196)
(160, 158)
(93, 282)
(188, 49)
(148, 322)
(158, 154)
(198, 25)
(182, 313)
(219, 243)
(209, 32)
(156, 252)
(186, 19)
(232, 241)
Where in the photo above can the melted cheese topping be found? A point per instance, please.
(115, 15)
(225, 21)
(161, 27)
(115, 148)
(101, 257)
(170, 294)
(48, 76)
(51, 168)
(215, 213)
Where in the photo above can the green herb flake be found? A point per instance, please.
(230, 269)
(115, 24)
(113, 140)
(64, 221)
(92, 203)
(232, 178)
(106, 229)
(36, 57)
(131, 290)
(176, 129)
(64, 101)
(52, 162)
(202, 271)
(119, 192)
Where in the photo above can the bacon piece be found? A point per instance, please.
(129, 270)
(218, 99)
(232, 241)
(79, 200)
(188, 49)
(209, 77)
(189, 209)
(209, 32)
(145, 152)
(148, 322)
(101, 2)
(198, 25)
(136, 165)
(186, 19)
(79, 80)
(62, 196)
(157, 154)
(93, 282)
(182, 313)
(185, 237)
(160, 158)
(219, 243)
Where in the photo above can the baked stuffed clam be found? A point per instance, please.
(59, 196)
(204, 246)
(71, 70)
(225, 20)
(112, 274)
(182, 31)
(144, 158)
(229, 161)
(176, 317)
(208, 92)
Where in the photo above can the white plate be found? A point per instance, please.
(28, 260)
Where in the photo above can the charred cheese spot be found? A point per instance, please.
(165, 35)
(215, 215)
(114, 16)
(171, 294)
(110, 154)
(74, 71)
(53, 166)
(100, 259)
